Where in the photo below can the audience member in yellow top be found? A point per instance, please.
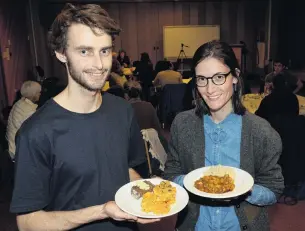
(168, 76)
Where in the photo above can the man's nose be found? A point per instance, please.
(98, 62)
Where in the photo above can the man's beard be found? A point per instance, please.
(81, 78)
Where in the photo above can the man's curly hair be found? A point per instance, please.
(91, 15)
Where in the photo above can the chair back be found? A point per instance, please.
(172, 101)
(155, 154)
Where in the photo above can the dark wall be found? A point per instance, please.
(291, 33)
(142, 22)
(13, 36)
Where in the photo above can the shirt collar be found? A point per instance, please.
(208, 119)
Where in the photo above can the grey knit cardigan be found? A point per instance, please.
(259, 153)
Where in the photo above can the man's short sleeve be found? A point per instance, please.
(32, 173)
(269, 78)
(136, 152)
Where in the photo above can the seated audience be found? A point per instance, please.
(123, 59)
(116, 76)
(161, 65)
(50, 88)
(22, 109)
(279, 67)
(168, 76)
(253, 84)
(145, 113)
(116, 66)
(281, 101)
(117, 91)
(144, 72)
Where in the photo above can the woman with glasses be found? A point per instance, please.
(219, 131)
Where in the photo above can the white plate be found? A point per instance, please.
(129, 204)
(243, 183)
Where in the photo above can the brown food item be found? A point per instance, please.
(215, 184)
(138, 190)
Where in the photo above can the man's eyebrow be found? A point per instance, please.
(83, 47)
(107, 47)
(91, 48)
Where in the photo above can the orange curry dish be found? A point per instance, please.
(215, 184)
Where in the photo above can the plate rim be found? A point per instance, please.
(212, 195)
(152, 216)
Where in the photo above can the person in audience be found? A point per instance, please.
(219, 131)
(21, 111)
(72, 155)
(144, 111)
(281, 101)
(116, 65)
(253, 84)
(144, 72)
(123, 59)
(279, 66)
(117, 91)
(147, 118)
(50, 88)
(161, 65)
(116, 77)
(168, 76)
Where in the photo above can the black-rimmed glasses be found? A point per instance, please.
(217, 79)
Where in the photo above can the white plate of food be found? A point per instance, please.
(218, 182)
(151, 198)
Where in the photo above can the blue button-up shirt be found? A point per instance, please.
(222, 146)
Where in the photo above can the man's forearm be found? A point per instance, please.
(299, 87)
(61, 220)
(133, 175)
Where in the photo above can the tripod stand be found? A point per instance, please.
(180, 58)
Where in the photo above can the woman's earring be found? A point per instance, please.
(237, 71)
(235, 87)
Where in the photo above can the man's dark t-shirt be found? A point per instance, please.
(68, 161)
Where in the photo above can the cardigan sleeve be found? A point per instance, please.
(173, 164)
(268, 173)
(261, 196)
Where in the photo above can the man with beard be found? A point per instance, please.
(78, 149)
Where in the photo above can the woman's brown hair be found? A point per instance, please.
(224, 53)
